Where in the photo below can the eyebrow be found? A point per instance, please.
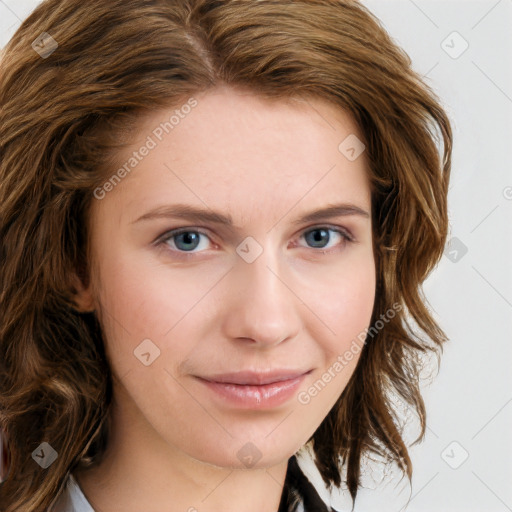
(194, 214)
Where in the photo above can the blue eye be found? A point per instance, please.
(321, 236)
(186, 240)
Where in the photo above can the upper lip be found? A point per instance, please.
(256, 378)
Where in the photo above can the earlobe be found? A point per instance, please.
(82, 296)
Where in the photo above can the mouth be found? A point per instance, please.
(253, 390)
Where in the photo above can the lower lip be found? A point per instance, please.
(256, 397)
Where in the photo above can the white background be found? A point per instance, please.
(469, 400)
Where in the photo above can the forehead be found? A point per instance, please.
(238, 151)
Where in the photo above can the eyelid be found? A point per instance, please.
(164, 237)
(341, 229)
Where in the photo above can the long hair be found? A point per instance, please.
(69, 102)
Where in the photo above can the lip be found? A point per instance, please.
(255, 390)
(256, 378)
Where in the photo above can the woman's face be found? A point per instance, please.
(252, 285)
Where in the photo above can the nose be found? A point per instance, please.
(262, 309)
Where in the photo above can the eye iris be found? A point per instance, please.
(188, 237)
(317, 239)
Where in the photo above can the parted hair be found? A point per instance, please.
(63, 118)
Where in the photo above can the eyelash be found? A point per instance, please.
(168, 235)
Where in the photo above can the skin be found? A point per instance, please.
(297, 305)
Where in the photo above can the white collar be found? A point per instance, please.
(72, 499)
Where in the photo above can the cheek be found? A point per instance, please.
(346, 306)
(128, 306)
(143, 300)
(342, 300)
(345, 303)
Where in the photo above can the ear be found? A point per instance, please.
(83, 296)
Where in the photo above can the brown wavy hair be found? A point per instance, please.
(62, 119)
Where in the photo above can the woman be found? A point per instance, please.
(175, 333)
